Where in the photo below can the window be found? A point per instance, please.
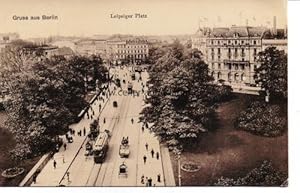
(254, 51)
(229, 66)
(212, 50)
(242, 66)
(219, 50)
(219, 66)
(242, 41)
(254, 42)
(243, 50)
(235, 42)
(218, 42)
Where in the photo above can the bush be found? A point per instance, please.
(264, 175)
(262, 119)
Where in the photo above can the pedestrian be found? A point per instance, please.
(158, 178)
(132, 120)
(147, 125)
(93, 112)
(147, 182)
(80, 133)
(68, 176)
(54, 164)
(84, 131)
(63, 158)
(104, 120)
(142, 179)
(146, 145)
(65, 146)
(152, 153)
(150, 181)
(157, 155)
(34, 177)
(57, 147)
(143, 129)
(145, 159)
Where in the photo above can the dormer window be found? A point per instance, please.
(235, 35)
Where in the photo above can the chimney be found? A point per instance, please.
(274, 26)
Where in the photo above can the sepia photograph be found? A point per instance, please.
(136, 93)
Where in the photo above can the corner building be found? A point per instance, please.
(232, 53)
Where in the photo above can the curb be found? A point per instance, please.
(167, 167)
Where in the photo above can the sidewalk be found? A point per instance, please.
(51, 176)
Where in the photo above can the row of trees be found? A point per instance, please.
(181, 97)
(268, 117)
(46, 94)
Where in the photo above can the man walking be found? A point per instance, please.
(142, 179)
(65, 146)
(84, 131)
(145, 159)
(146, 145)
(157, 155)
(158, 178)
(34, 177)
(152, 153)
(150, 181)
(54, 164)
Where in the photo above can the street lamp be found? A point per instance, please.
(179, 170)
(178, 152)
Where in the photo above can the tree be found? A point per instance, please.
(262, 119)
(46, 98)
(181, 96)
(272, 73)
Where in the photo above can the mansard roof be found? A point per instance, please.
(238, 31)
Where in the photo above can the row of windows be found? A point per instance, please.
(229, 50)
(232, 77)
(131, 46)
(131, 51)
(228, 66)
(233, 42)
(131, 56)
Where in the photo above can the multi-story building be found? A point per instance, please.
(232, 53)
(134, 50)
(91, 46)
(6, 38)
(116, 50)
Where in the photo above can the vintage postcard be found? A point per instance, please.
(136, 93)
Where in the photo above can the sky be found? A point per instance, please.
(164, 17)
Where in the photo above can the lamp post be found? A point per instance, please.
(179, 168)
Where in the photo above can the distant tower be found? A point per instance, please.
(274, 26)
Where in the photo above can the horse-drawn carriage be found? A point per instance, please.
(123, 172)
(88, 148)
